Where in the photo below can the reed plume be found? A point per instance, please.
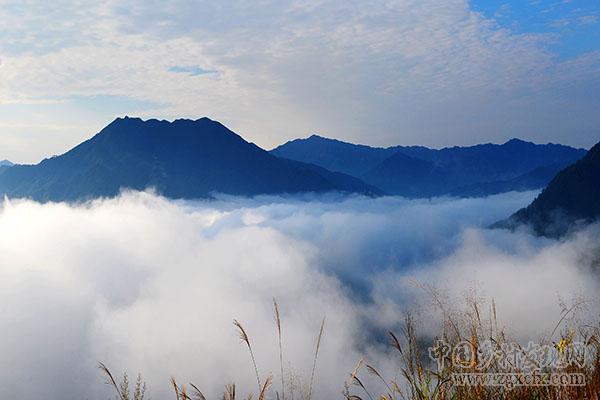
(111, 380)
(278, 324)
(314, 367)
(245, 339)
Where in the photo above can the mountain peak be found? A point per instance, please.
(317, 137)
(517, 141)
(183, 158)
(127, 120)
(175, 129)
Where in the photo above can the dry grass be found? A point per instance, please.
(423, 379)
(418, 377)
(181, 392)
(314, 367)
(246, 339)
(122, 389)
(278, 325)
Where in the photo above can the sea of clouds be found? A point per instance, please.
(145, 284)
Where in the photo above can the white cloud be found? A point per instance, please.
(395, 72)
(588, 19)
(150, 285)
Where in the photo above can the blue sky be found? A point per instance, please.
(574, 23)
(430, 72)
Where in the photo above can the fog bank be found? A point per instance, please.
(146, 284)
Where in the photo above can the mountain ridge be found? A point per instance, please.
(180, 159)
(187, 158)
(571, 199)
(481, 169)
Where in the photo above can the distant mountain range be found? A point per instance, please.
(417, 171)
(6, 163)
(194, 159)
(571, 199)
(180, 159)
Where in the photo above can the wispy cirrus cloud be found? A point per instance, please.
(588, 19)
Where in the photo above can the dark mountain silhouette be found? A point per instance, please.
(407, 176)
(418, 171)
(571, 199)
(539, 177)
(180, 159)
(334, 155)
